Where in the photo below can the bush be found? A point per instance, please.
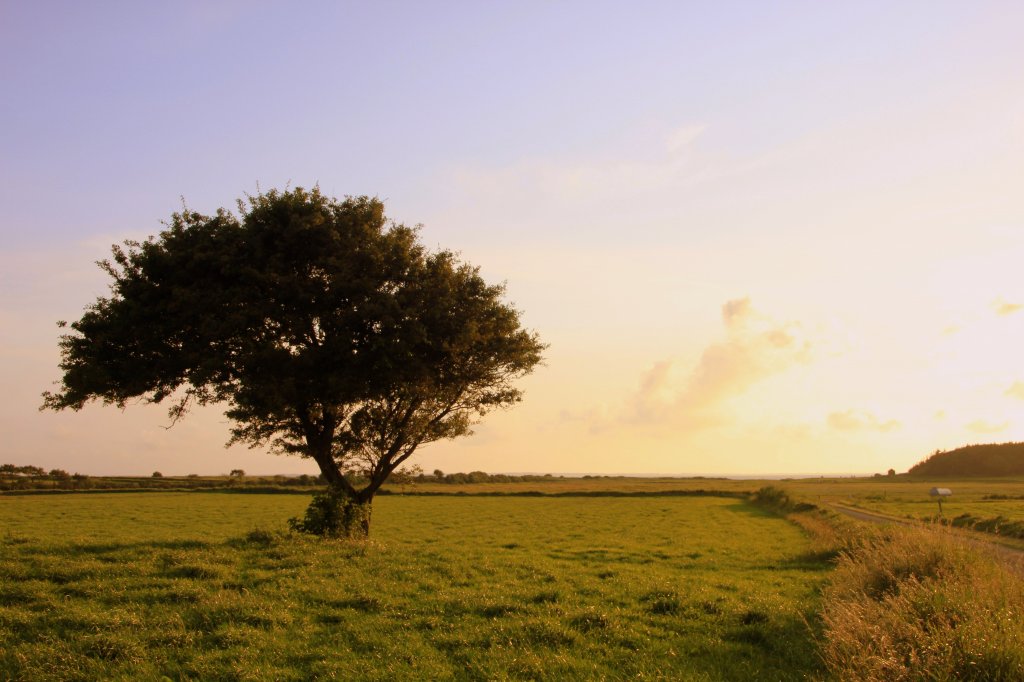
(335, 515)
(778, 500)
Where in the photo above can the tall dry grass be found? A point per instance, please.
(922, 604)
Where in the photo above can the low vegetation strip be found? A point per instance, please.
(273, 490)
(998, 525)
(179, 585)
(696, 492)
(911, 601)
(921, 604)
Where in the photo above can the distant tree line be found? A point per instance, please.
(13, 477)
(994, 459)
(479, 477)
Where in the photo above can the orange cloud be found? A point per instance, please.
(856, 420)
(1017, 390)
(754, 347)
(1003, 307)
(982, 426)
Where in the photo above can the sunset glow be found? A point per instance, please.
(757, 240)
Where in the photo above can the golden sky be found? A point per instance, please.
(757, 240)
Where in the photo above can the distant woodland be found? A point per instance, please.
(997, 459)
(14, 477)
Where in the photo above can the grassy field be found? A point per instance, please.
(182, 586)
(899, 495)
(557, 485)
(994, 506)
(991, 505)
(912, 506)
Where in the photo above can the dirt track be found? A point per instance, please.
(1013, 556)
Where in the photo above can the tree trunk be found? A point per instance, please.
(341, 511)
(357, 513)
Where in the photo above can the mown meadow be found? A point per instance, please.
(209, 586)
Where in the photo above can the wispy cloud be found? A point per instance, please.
(755, 347)
(683, 137)
(982, 426)
(1004, 307)
(859, 420)
(641, 164)
(596, 419)
(1016, 390)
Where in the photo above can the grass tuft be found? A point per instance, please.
(548, 597)
(591, 619)
(662, 602)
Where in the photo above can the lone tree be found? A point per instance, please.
(327, 330)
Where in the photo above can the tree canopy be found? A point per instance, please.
(327, 330)
(989, 459)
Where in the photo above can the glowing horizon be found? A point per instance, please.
(757, 241)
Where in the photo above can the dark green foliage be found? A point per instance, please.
(1002, 459)
(13, 470)
(328, 332)
(56, 482)
(461, 478)
(334, 514)
(778, 500)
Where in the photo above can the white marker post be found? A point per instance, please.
(939, 493)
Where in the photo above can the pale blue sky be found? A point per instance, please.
(628, 168)
(205, 99)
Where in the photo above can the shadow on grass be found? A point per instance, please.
(813, 560)
(748, 509)
(784, 646)
(99, 550)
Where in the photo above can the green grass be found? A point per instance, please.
(993, 506)
(914, 506)
(144, 586)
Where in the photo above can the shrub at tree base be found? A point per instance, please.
(333, 514)
(920, 604)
